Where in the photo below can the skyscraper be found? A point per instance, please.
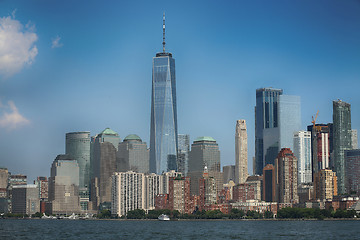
(266, 117)
(204, 154)
(104, 162)
(352, 171)
(302, 151)
(286, 171)
(133, 152)
(241, 171)
(64, 185)
(163, 129)
(183, 155)
(78, 148)
(321, 136)
(277, 117)
(354, 139)
(342, 139)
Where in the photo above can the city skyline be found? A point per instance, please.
(96, 59)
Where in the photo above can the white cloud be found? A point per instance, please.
(17, 46)
(10, 117)
(56, 42)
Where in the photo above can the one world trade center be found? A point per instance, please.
(163, 129)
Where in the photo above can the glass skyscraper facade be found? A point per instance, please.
(289, 117)
(183, 154)
(163, 129)
(342, 140)
(266, 117)
(78, 148)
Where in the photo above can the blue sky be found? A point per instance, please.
(86, 65)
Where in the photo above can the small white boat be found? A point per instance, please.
(164, 217)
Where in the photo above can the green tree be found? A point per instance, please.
(268, 214)
(136, 214)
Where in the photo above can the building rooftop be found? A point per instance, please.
(64, 157)
(108, 131)
(205, 138)
(132, 137)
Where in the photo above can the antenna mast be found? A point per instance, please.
(163, 33)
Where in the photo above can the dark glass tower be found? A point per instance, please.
(163, 129)
(266, 117)
(342, 140)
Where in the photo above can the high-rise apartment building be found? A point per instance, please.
(104, 162)
(325, 184)
(352, 171)
(128, 192)
(179, 194)
(286, 176)
(78, 148)
(163, 129)
(266, 117)
(241, 171)
(321, 146)
(302, 151)
(342, 140)
(154, 185)
(134, 153)
(183, 153)
(64, 186)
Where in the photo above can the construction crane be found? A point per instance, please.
(314, 120)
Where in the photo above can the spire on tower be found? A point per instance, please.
(163, 32)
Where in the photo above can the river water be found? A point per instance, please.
(218, 229)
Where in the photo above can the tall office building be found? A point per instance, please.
(342, 140)
(269, 184)
(25, 199)
(241, 171)
(354, 139)
(289, 116)
(163, 129)
(183, 153)
(133, 152)
(282, 119)
(78, 148)
(4, 178)
(228, 173)
(204, 154)
(286, 171)
(352, 171)
(63, 193)
(302, 151)
(266, 117)
(104, 162)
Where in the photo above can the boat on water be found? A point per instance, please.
(164, 217)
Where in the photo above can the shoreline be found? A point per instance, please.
(195, 220)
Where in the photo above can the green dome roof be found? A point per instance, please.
(205, 138)
(108, 131)
(132, 137)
